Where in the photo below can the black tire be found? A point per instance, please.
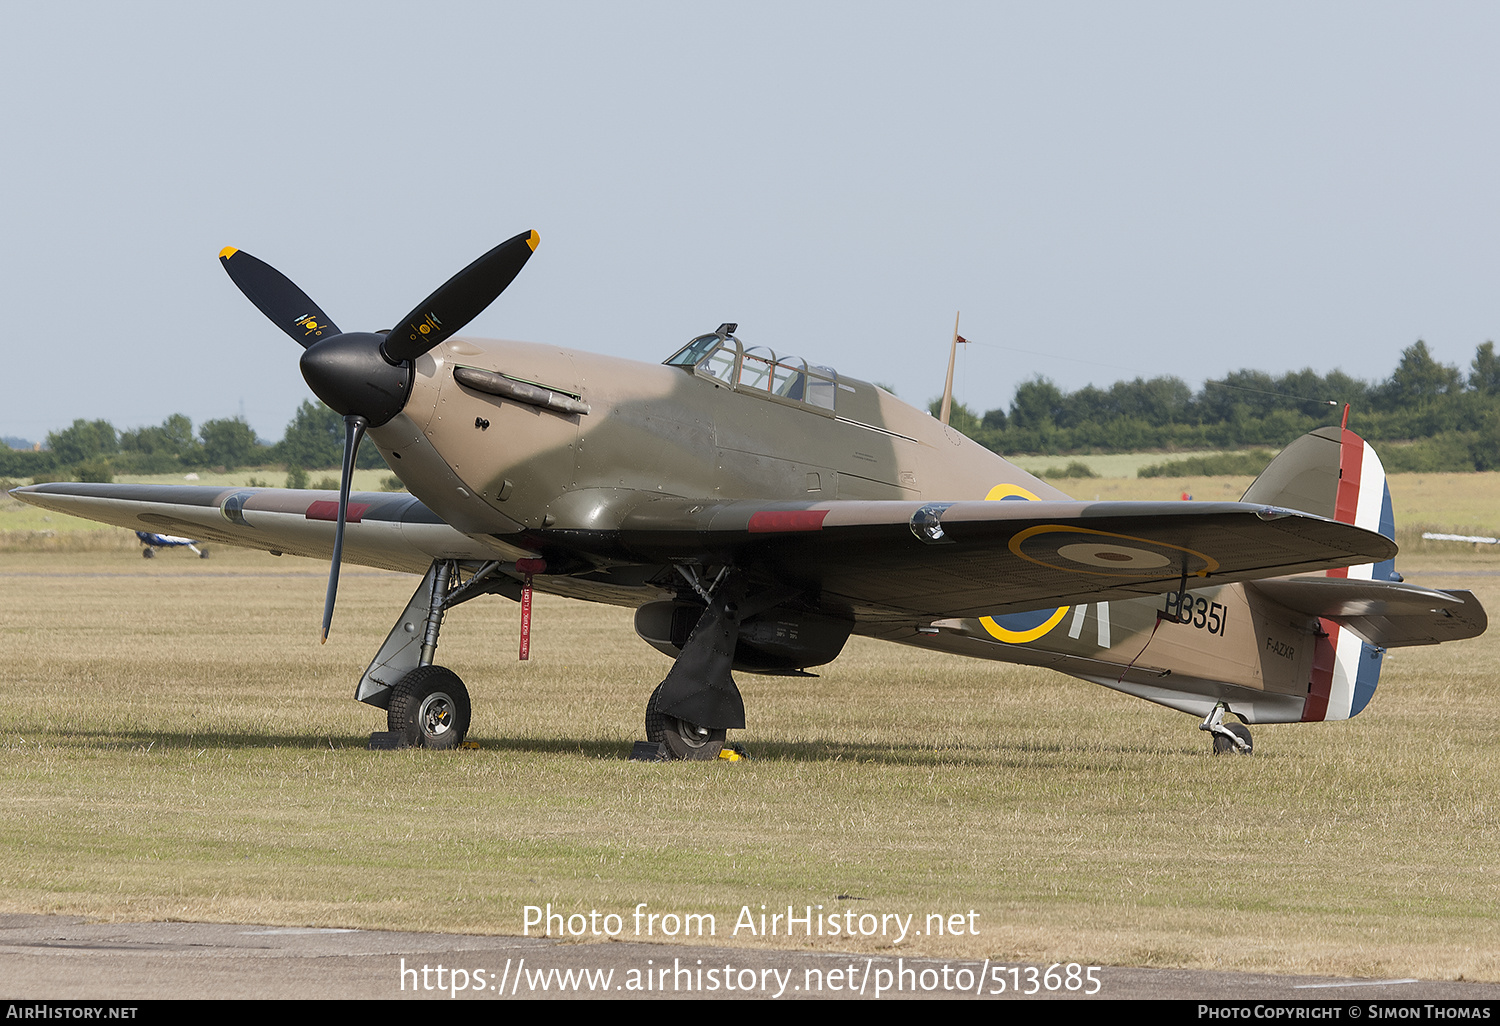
(683, 740)
(1224, 746)
(148, 553)
(430, 706)
(202, 553)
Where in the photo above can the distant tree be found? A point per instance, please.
(314, 438)
(228, 443)
(1257, 394)
(1249, 392)
(1088, 405)
(95, 470)
(994, 420)
(1484, 377)
(1484, 450)
(173, 437)
(1417, 380)
(84, 440)
(1159, 401)
(1038, 403)
(960, 417)
(1341, 388)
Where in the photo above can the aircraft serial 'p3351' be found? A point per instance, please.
(756, 510)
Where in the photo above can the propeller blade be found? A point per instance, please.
(354, 432)
(368, 377)
(459, 300)
(274, 295)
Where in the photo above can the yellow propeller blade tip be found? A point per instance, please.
(532, 240)
(227, 252)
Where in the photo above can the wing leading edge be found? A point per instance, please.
(390, 530)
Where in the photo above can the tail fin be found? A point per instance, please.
(1334, 473)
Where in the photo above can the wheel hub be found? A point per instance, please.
(692, 734)
(436, 714)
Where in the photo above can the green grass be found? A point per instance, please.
(177, 745)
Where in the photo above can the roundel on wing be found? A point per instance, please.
(1113, 557)
(1019, 628)
(1095, 553)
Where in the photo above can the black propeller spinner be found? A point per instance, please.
(364, 376)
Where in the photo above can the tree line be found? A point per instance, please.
(1441, 418)
(93, 450)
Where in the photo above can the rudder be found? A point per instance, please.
(1334, 473)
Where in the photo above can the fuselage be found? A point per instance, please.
(493, 465)
(514, 472)
(719, 422)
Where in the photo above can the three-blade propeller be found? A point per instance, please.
(366, 376)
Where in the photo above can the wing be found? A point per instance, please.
(900, 562)
(391, 530)
(906, 561)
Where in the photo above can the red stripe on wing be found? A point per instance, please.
(327, 509)
(771, 521)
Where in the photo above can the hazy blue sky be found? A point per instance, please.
(1104, 189)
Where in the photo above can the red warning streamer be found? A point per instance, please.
(527, 567)
(526, 619)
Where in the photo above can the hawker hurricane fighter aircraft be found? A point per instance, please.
(755, 510)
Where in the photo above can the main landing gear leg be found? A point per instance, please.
(427, 705)
(1228, 737)
(698, 702)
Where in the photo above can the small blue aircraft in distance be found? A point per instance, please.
(152, 542)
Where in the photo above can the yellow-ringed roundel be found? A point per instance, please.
(1083, 550)
(1010, 491)
(1019, 628)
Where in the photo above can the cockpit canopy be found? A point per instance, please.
(758, 370)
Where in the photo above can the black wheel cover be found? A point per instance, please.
(684, 740)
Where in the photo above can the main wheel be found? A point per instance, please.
(1223, 745)
(683, 739)
(430, 705)
(148, 553)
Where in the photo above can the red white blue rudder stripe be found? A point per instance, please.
(1346, 668)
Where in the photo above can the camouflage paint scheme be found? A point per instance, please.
(822, 489)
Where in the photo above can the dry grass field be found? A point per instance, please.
(175, 744)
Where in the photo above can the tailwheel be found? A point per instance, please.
(1229, 738)
(1224, 745)
(683, 739)
(430, 707)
